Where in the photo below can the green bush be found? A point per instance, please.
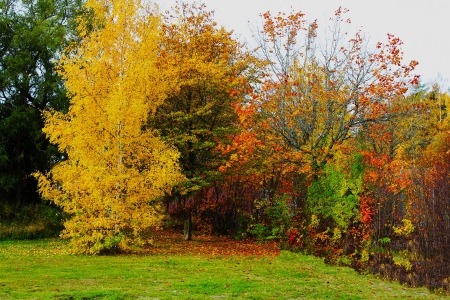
(335, 194)
(276, 221)
(32, 221)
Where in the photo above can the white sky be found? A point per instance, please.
(423, 25)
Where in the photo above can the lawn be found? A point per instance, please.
(206, 268)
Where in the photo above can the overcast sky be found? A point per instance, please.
(423, 25)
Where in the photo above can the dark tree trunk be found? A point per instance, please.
(188, 226)
(19, 193)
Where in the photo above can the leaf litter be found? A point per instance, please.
(173, 243)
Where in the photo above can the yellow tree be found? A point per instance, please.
(116, 168)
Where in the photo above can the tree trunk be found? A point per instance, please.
(19, 192)
(188, 226)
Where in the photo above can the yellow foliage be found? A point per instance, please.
(314, 221)
(115, 168)
(406, 229)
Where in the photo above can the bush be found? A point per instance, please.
(30, 222)
(276, 218)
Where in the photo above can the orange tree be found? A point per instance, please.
(394, 150)
(423, 224)
(318, 93)
(406, 213)
(428, 207)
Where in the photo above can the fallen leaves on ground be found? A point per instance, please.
(171, 242)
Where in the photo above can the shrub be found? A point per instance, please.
(30, 222)
(275, 219)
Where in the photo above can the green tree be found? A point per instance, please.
(202, 63)
(32, 34)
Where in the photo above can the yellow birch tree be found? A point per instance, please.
(116, 168)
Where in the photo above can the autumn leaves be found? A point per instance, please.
(166, 106)
(116, 166)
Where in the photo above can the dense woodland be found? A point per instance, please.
(118, 119)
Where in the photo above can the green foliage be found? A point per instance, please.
(199, 61)
(260, 231)
(32, 34)
(276, 221)
(334, 195)
(382, 244)
(243, 222)
(31, 221)
(402, 259)
(384, 241)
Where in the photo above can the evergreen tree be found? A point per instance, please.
(32, 34)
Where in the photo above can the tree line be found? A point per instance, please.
(127, 118)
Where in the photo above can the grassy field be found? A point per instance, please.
(206, 268)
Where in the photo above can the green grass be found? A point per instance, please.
(43, 269)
